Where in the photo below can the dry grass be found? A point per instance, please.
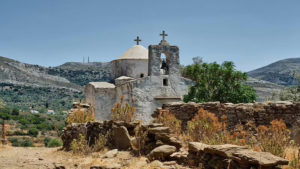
(81, 115)
(205, 127)
(123, 111)
(169, 120)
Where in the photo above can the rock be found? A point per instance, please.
(156, 164)
(225, 150)
(222, 156)
(153, 125)
(110, 154)
(110, 166)
(159, 130)
(264, 159)
(180, 157)
(167, 139)
(161, 152)
(121, 138)
(196, 146)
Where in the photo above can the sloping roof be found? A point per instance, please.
(135, 52)
(102, 85)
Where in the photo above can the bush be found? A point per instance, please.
(81, 116)
(33, 132)
(216, 82)
(123, 111)
(140, 135)
(275, 138)
(169, 120)
(26, 143)
(19, 133)
(14, 141)
(15, 111)
(205, 127)
(54, 143)
(79, 146)
(46, 141)
(100, 142)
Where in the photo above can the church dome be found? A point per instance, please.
(135, 52)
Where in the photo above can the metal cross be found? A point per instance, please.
(137, 40)
(163, 35)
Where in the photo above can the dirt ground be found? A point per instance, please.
(49, 158)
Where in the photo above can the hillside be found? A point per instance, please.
(280, 72)
(83, 73)
(18, 73)
(265, 90)
(27, 85)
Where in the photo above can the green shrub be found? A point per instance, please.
(26, 143)
(15, 111)
(14, 141)
(54, 143)
(33, 132)
(46, 141)
(19, 133)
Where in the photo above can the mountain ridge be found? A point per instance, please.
(280, 72)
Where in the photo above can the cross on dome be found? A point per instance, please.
(137, 40)
(163, 34)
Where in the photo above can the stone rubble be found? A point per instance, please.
(161, 145)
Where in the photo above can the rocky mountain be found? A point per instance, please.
(83, 73)
(280, 72)
(35, 86)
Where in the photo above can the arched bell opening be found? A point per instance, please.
(164, 64)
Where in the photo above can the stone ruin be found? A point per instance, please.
(161, 145)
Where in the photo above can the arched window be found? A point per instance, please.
(142, 75)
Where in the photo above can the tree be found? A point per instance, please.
(214, 82)
(291, 93)
(15, 111)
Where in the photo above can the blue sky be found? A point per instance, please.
(250, 33)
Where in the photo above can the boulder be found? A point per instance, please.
(222, 156)
(196, 146)
(159, 130)
(110, 154)
(263, 159)
(110, 166)
(161, 152)
(167, 139)
(121, 138)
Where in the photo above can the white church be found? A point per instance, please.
(144, 76)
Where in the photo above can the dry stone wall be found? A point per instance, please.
(260, 113)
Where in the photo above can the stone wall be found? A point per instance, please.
(160, 144)
(260, 113)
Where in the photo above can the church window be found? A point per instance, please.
(165, 82)
(142, 75)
